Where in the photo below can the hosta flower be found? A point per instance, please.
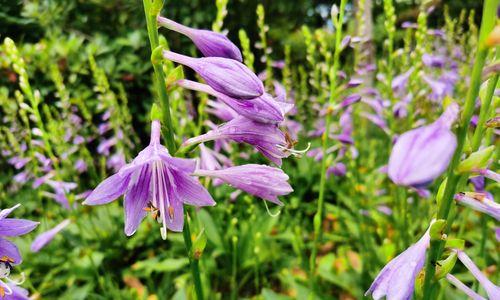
(210, 43)
(397, 278)
(492, 290)
(266, 138)
(259, 180)
(481, 202)
(154, 181)
(261, 109)
(422, 154)
(46, 237)
(10, 227)
(224, 75)
(9, 254)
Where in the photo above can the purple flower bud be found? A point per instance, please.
(433, 61)
(397, 278)
(224, 75)
(261, 109)
(399, 82)
(266, 138)
(46, 237)
(210, 43)
(338, 169)
(259, 180)
(422, 154)
(482, 202)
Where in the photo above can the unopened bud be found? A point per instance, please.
(477, 160)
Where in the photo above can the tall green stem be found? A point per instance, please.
(151, 10)
(318, 217)
(436, 248)
(194, 262)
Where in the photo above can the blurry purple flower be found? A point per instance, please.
(497, 234)
(338, 169)
(224, 75)
(153, 181)
(478, 183)
(78, 140)
(354, 82)
(400, 109)
(434, 61)
(9, 228)
(386, 210)
(116, 161)
(21, 177)
(399, 82)
(46, 237)
(408, 24)
(397, 278)
(377, 120)
(480, 202)
(439, 89)
(422, 154)
(103, 128)
(210, 43)
(491, 289)
(259, 180)
(261, 109)
(18, 162)
(80, 166)
(266, 138)
(349, 100)
(345, 42)
(105, 146)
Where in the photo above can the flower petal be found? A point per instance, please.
(16, 227)
(136, 200)
(9, 249)
(108, 190)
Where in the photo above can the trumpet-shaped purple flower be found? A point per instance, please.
(11, 291)
(491, 289)
(422, 154)
(154, 181)
(259, 180)
(266, 138)
(480, 202)
(12, 227)
(262, 109)
(210, 43)
(397, 278)
(224, 75)
(46, 237)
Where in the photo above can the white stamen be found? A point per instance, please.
(269, 212)
(294, 152)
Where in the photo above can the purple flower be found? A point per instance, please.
(422, 154)
(153, 181)
(397, 278)
(12, 227)
(480, 202)
(262, 109)
(210, 43)
(11, 291)
(224, 75)
(434, 61)
(46, 237)
(259, 180)
(399, 82)
(266, 138)
(489, 174)
(439, 88)
(491, 289)
(338, 169)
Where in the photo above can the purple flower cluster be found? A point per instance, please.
(161, 184)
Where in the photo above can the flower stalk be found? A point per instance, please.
(318, 217)
(152, 9)
(453, 178)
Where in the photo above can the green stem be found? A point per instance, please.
(194, 263)
(318, 217)
(151, 13)
(436, 247)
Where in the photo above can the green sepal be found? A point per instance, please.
(455, 243)
(436, 230)
(445, 266)
(477, 160)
